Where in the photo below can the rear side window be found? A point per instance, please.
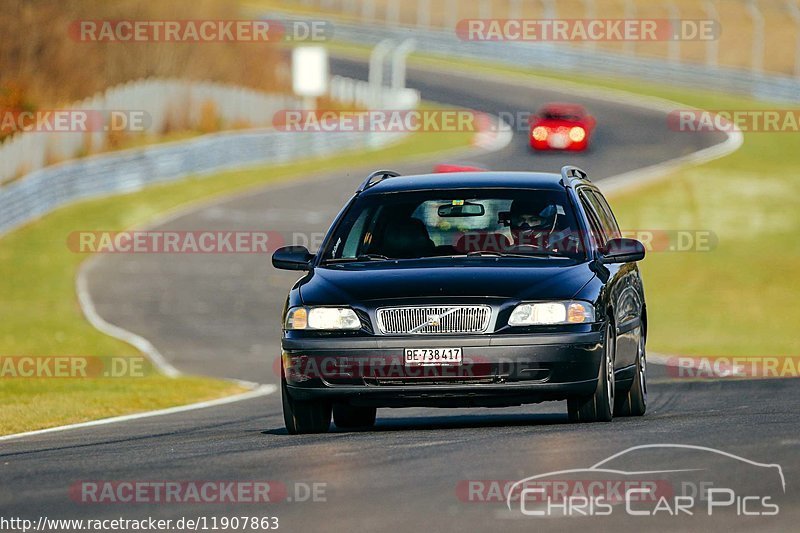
(598, 234)
(604, 225)
(606, 215)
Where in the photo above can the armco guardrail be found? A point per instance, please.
(44, 190)
(554, 56)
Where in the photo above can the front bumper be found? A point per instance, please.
(497, 370)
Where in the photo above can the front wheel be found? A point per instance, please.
(304, 416)
(598, 407)
(634, 403)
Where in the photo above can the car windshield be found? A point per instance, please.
(458, 223)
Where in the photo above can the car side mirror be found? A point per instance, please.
(292, 258)
(622, 251)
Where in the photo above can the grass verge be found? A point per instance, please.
(40, 315)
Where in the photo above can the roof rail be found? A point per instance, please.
(376, 177)
(571, 171)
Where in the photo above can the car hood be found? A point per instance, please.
(347, 284)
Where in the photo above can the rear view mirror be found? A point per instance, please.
(292, 258)
(623, 251)
(461, 209)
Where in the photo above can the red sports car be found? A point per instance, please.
(560, 126)
(458, 167)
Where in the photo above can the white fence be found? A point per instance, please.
(45, 189)
(434, 22)
(164, 103)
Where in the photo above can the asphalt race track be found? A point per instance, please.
(219, 315)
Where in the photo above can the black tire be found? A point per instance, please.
(598, 407)
(309, 416)
(352, 416)
(634, 403)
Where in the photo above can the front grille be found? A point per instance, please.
(434, 319)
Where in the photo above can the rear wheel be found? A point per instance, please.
(598, 407)
(351, 416)
(304, 416)
(634, 403)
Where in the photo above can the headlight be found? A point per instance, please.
(570, 312)
(322, 318)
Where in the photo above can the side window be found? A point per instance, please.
(598, 235)
(607, 216)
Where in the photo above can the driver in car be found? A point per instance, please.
(532, 223)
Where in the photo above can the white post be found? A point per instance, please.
(674, 45)
(399, 63)
(757, 51)
(376, 69)
(628, 46)
(712, 46)
(794, 11)
(589, 12)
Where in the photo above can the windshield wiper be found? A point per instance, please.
(362, 257)
(507, 254)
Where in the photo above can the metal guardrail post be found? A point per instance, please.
(589, 12)
(367, 10)
(393, 13)
(549, 9)
(757, 51)
(423, 13)
(451, 15)
(712, 46)
(794, 11)
(628, 46)
(674, 45)
(515, 9)
(485, 9)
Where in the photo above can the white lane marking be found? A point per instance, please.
(652, 173)
(99, 323)
(262, 390)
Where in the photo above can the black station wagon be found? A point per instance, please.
(471, 289)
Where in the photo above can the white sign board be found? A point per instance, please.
(310, 71)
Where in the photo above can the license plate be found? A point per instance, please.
(559, 140)
(432, 356)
